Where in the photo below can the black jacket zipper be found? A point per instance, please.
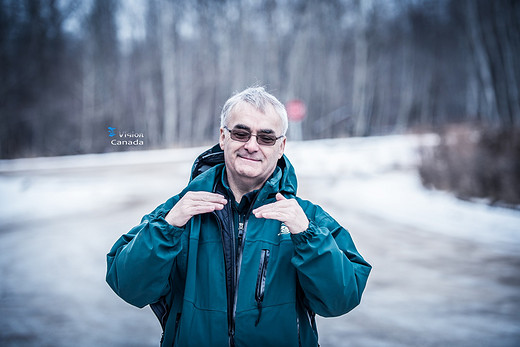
(230, 261)
(242, 222)
(260, 282)
(236, 259)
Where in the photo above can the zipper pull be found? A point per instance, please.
(240, 229)
(240, 233)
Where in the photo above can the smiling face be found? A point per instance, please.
(248, 164)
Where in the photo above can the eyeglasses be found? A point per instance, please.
(242, 135)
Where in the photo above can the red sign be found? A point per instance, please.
(296, 110)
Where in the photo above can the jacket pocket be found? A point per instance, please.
(260, 282)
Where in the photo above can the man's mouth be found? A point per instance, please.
(248, 158)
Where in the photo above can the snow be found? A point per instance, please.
(50, 187)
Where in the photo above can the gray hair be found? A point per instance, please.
(259, 98)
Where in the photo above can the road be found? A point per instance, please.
(426, 288)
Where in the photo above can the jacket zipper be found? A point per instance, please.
(260, 282)
(242, 231)
(242, 223)
(231, 320)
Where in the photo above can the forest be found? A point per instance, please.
(161, 70)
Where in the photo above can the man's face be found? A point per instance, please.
(249, 163)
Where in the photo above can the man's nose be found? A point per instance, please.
(252, 144)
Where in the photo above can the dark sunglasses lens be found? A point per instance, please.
(239, 135)
(266, 140)
(244, 136)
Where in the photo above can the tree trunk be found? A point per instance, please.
(482, 62)
(168, 60)
(361, 88)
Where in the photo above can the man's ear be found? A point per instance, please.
(282, 147)
(221, 138)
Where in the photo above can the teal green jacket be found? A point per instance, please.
(265, 295)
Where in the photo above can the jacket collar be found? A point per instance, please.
(208, 167)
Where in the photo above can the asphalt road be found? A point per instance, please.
(426, 288)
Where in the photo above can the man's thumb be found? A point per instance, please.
(280, 197)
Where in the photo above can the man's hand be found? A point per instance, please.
(194, 203)
(287, 211)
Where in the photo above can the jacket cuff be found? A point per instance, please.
(166, 227)
(305, 236)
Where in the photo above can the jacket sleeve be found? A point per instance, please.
(139, 264)
(330, 270)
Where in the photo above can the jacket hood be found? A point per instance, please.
(215, 155)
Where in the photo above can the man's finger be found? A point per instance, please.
(265, 208)
(212, 197)
(275, 206)
(205, 208)
(268, 209)
(206, 196)
(272, 215)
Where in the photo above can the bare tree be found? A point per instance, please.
(168, 37)
(362, 98)
(100, 76)
(494, 37)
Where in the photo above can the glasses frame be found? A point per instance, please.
(249, 138)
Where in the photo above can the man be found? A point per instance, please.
(236, 259)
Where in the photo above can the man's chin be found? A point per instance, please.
(248, 172)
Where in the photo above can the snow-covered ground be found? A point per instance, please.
(438, 261)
